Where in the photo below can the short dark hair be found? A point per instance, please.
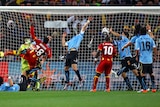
(107, 38)
(1, 80)
(45, 40)
(137, 29)
(126, 33)
(143, 31)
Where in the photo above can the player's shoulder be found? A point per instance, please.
(135, 37)
(107, 43)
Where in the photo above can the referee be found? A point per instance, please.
(72, 53)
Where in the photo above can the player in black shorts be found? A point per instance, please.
(72, 53)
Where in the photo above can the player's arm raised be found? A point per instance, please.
(114, 33)
(126, 45)
(63, 39)
(84, 27)
(148, 27)
(32, 32)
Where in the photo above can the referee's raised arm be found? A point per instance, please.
(63, 39)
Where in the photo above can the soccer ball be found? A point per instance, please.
(105, 30)
(11, 24)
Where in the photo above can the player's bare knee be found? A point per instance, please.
(124, 74)
(66, 68)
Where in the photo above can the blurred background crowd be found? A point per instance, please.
(79, 2)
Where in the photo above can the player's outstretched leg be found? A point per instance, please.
(79, 78)
(126, 79)
(107, 83)
(115, 73)
(95, 81)
(153, 83)
(120, 71)
(67, 80)
(141, 80)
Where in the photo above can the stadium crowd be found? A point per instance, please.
(79, 2)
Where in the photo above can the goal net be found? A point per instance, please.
(15, 23)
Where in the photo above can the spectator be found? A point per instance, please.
(156, 2)
(150, 3)
(11, 3)
(139, 3)
(74, 3)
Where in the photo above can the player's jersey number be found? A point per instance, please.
(146, 46)
(39, 51)
(108, 50)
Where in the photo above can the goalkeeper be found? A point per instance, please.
(39, 53)
(24, 63)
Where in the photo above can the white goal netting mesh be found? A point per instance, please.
(54, 21)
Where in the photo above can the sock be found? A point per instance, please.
(140, 81)
(95, 81)
(107, 82)
(120, 71)
(37, 85)
(23, 83)
(153, 82)
(126, 79)
(23, 79)
(78, 75)
(67, 76)
(143, 82)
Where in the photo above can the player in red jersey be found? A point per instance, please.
(108, 51)
(40, 50)
(36, 55)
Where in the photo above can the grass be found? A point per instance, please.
(79, 99)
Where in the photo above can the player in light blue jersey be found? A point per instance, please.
(72, 53)
(133, 39)
(127, 62)
(137, 35)
(145, 46)
(12, 87)
(9, 86)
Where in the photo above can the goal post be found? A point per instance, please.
(15, 23)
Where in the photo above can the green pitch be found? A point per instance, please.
(79, 99)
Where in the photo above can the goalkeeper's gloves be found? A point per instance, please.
(1, 54)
